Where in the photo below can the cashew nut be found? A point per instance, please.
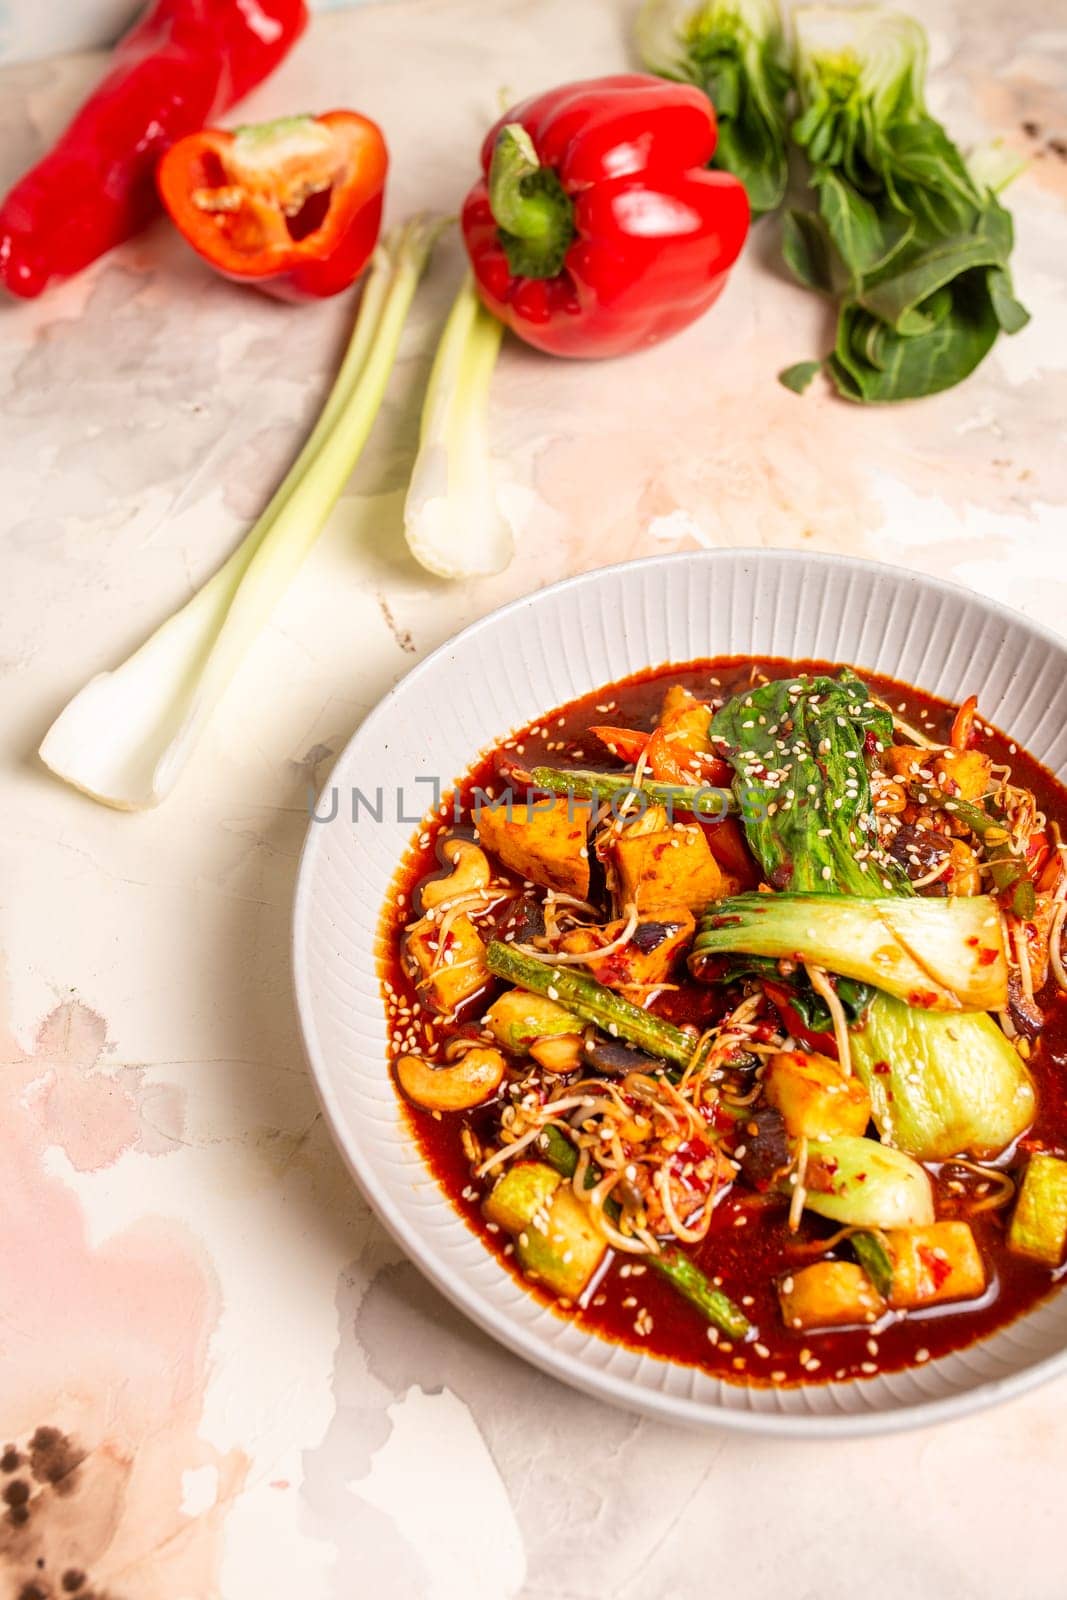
(470, 873)
(560, 1052)
(470, 1082)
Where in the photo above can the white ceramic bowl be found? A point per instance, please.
(500, 674)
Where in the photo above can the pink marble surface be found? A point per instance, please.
(244, 1389)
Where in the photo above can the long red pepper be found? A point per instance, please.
(184, 63)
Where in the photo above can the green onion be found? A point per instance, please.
(125, 738)
(874, 1258)
(452, 519)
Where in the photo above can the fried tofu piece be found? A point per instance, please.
(447, 976)
(964, 773)
(649, 957)
(671, 867)
(815, 1098)
(547, 844)
(905, 761)
(828, 1294)
(932, 1264)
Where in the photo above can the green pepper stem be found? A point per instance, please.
(529, 205)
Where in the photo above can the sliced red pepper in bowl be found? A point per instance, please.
(292, 206)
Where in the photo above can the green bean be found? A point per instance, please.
(671, 1263)
(592, 1002)
(702, 800)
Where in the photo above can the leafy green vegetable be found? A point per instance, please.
(809, 1006)
(800, 375)
(798, 747)
(125, 738)
(452, 518)
(734, 50)
(940, 1084)
(947, 954)
(865, 1184)
(1039, 1223)
(913, 245)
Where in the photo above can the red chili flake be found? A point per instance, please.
(923, 997)
(870, 743)
(882, 1067)
(973, 939)
(987, 957)
(935, 1264)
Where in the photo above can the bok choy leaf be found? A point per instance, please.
(864, 1184)
(798, 748)
(941, 1084)
(735, 51)
(913, 244)
(125, 738)
(943, 954)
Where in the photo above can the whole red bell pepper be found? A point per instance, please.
(184, 63)
(597, 227)
(292, 206)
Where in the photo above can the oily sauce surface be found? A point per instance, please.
(748, 1246)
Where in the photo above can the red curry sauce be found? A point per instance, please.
(748, 1246)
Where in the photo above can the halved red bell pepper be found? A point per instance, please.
(597, 227)
(293, 206)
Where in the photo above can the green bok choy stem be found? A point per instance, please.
(125, 738)
(452, 520)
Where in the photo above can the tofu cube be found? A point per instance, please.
(548, 844)
(647, 959)
(965, 773)
(828, 1294)
(672, 867)
(932, 1264)
(446, 977)
(815, 1098)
